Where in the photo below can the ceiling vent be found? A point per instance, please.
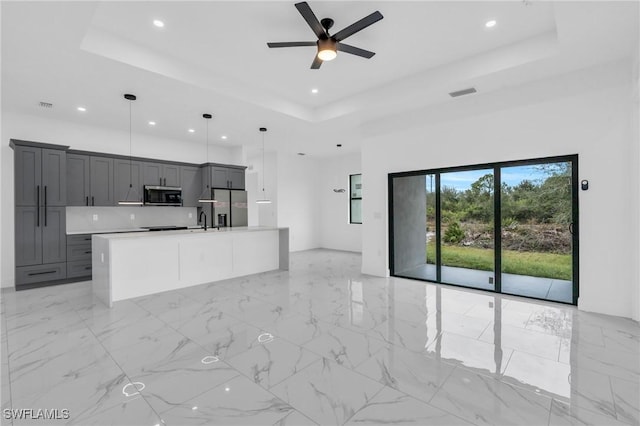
(463, 92)
(45, 105)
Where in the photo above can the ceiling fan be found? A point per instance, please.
(328, 44)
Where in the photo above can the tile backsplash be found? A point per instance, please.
(92, 219)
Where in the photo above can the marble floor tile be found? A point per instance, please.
(392, 407)
(412, 335)
(134, 411)
(270, 363)
(326, 392)
(172, 383)
(346, 347)
(470, 353)
(298, 328)
(237, 401)
(416, 374)
(529, 341)
(483, 400)
(295, 418)
(564, 414)
(226, 341)
(626, 396)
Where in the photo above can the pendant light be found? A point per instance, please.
(264, 199)
(206, 196)
(132, 198)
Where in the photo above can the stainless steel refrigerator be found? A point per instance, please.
(230, 208)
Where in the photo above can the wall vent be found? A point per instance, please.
(45, 105)
(463, 92)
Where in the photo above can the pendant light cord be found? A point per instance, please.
(130, 164)
(263, 193)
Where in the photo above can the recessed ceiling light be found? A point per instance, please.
(490, 24)
(191, 131)
(314, 91)
(152, 123)
(158, 23)
(223, 137)
(81, 109)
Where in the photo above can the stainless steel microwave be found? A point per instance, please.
(162, 196)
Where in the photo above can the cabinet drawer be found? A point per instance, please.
(79, 252)
(79, 268)
(79, 239)
(40, 273)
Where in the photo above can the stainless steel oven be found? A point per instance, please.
(162, 196)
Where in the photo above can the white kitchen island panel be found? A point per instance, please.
(128, 265)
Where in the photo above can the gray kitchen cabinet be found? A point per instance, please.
(236, 179)
(226, 177)
(171, 175)
(191, 185)
(54, 177)
(78, 180)
(101, 181)
(123, 171)
(40, 223)
(79, 256)
(28, 236)
(54, 236)
(40, 176)
(28, 175)
(161, 174)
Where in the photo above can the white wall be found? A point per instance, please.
(635, 120)
(19, 126)
(587, 113)
(298, 200)
(336, 231)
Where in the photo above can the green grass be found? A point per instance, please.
(535, 264)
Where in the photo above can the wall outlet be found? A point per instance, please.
(95, 217)
(132, 216)
(190, 215)
(102, 257)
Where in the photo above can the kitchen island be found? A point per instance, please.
(127, 265)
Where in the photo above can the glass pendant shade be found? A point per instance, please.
(264, 199)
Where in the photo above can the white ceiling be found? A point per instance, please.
(212, 57)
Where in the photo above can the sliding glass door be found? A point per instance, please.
(505, 227)
(466, 228)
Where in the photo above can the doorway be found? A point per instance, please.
(507, 227)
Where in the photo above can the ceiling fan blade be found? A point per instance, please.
(292, 44)
(358, 26)
(347, 48)
(316, 63)
(311, 19)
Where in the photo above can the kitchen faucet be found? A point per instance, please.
(205, 219)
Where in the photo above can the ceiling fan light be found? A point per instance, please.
(327, 49)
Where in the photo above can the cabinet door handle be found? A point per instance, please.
(87, 252)
(45, 205)
(93, 200)
(87, 239)
(38, 205)
(87, 268)
(86, 201)
(41, 273)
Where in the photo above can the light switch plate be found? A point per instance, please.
(132, 216)
(95, 217)
(190, 215)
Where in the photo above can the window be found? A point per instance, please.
(355, 199)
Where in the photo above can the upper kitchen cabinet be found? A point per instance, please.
(161, 174)
(40, 176)
(191, 185)
(90, 180)
(127, 172)
(225, 177)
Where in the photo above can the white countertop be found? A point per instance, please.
(186, 232)
(106, 231)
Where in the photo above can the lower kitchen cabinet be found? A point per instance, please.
(79, 256)
(40, 273)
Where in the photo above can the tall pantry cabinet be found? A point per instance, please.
(40, 222)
